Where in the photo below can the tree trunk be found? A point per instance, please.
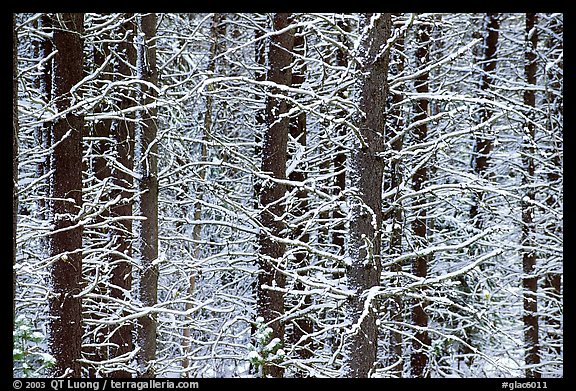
(366, 171)
(65, 324)
(97, 351)
(303, 326)
(146, 159)
(123, 143)
(529, 279)
(421, 341)
(270, 303)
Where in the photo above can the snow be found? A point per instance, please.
(47, 358)
(254, 356)
(209, 221)
(37, 335)
(272, 345)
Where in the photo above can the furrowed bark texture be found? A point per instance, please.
(366, 172)
(148, 277)
(530, 280)
(123, 142)
(419, 358)
(302, 326)
(65, 326)
(270, 303)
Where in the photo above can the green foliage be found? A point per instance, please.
(27, 356)
(266, 350)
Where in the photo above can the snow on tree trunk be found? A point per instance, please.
(303, 326)
(366, 170)
(97, 351)
(146, 162)
(270, 302)
(530, 279)
(123, 148)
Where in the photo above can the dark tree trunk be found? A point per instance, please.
(97, 351)
(260, 116)
(303, 326)
(419, 358)
(148, 186)
(483, 145)
(530, 280)
(65, 324)
(14, 156)
(366, 172)
(270, 303)
(123, 143)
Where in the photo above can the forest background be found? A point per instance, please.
(288, 195)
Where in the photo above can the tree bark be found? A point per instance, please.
(123, 143)
(270, 303)
(65, 324)
(147, 164)
(529, 279)
(97, 351)
(303, 326)
(366, 174)
(421, 341)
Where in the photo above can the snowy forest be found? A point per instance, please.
(292, 195)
